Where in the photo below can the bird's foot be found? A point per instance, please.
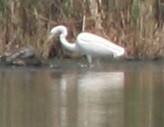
(82, 65)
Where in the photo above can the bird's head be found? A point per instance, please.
(56, 31)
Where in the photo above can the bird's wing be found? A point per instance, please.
(94, 44)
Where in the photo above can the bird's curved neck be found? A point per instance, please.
(70, 46)
(62, 30)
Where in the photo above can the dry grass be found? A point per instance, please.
(135, 24)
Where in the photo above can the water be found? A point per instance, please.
(116, 94)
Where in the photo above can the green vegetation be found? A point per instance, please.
(135, 24)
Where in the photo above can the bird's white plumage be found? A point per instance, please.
(98, 46)
(88, 44)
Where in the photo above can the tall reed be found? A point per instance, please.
(135, 24)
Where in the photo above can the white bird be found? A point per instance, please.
(88, 44)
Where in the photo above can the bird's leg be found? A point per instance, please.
(89, 58)
(98, 62)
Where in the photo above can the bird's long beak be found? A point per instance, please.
(50, 37)
(48, 45)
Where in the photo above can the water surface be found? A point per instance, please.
(115, 94)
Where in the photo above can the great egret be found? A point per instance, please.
(88, 44)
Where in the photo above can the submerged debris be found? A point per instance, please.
(25, 56)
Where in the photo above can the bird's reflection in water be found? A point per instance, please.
(96, 102)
